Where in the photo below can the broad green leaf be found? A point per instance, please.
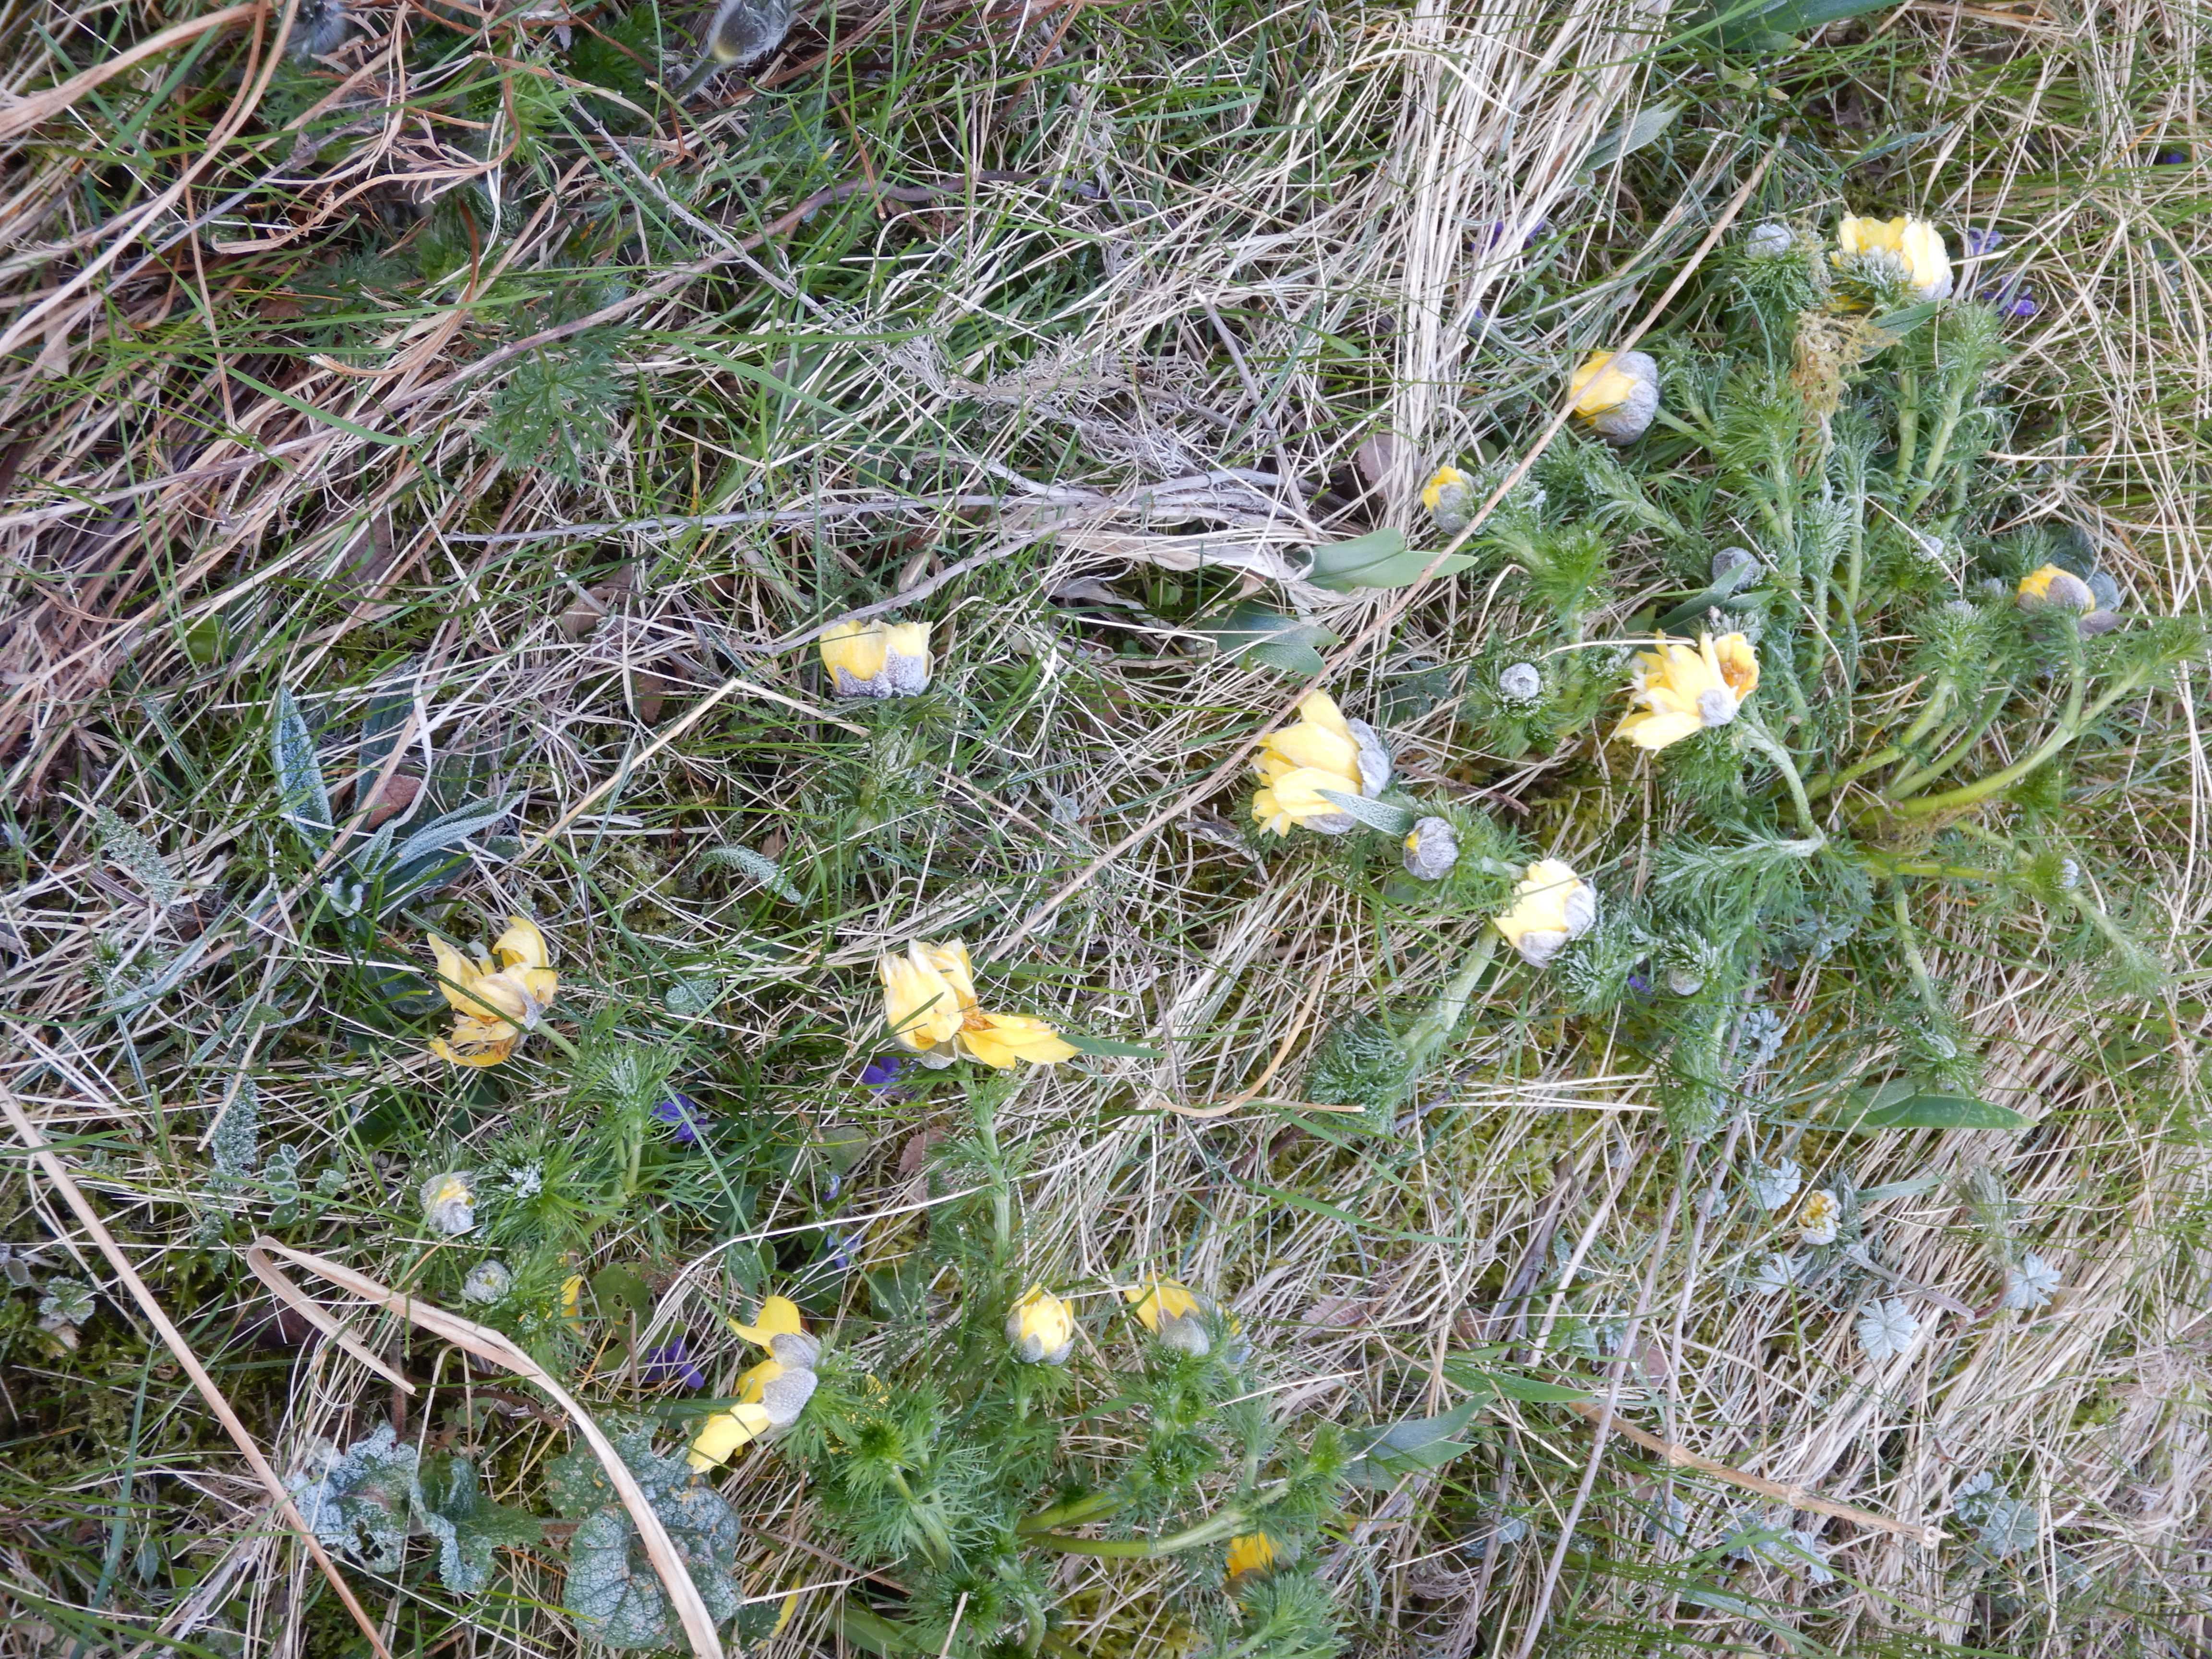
(1901, 323)
(1460, 1369)
(1379, 559)
(1397, 1450)
(1266, 637)
(1698, 604)
(1374, 814)
(1936, 1112)
(618, 1288)
(1626, 139)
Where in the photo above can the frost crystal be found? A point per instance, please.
(1887, 1328)
(526, 1180)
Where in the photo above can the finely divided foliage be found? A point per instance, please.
(1661, 1114)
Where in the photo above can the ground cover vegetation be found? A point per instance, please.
(987, 830)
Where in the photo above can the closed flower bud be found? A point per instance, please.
(1616, 394)
(877, 660)
(488, 1281)
(1769, 240)
(1553, 907)
(1431, 849)
(1449, 497)
(1521, 683)
(1170, 1312)
(449, 1202)
(1730, 559)
(2050, 588)
(1041, 1328)
(1909, 251)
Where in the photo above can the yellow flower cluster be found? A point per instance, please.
(494, 1003)
(877, 660)
(929, 1003)
(1616, 394)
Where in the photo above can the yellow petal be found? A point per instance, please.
(1250, 1553)
(1297, 793)
(920, 1006)
(1738, 663)
(1314, 746)
(779, 1315)
(860, 650)
(725, 1432)
(456, 974)
(1162, 1298)
(1445, 478)
(1000, 1040)
(1319, 709)
(1268, 815)
(1658, 730)
(754, 1382)
(521, 945)
(476, 1043)
(951, 959)
(1597, 385)
(908, 640)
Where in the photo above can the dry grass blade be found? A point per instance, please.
(489, 1345)
(173, 1338)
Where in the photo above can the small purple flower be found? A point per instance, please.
(840, 1248)
(684, 1113)
(672, 1362)
(1641, 986)
(1979, 243)
(2171, 156)
(2011, 301)
(884, 1071)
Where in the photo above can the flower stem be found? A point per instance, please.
(1982, 788)
(1757, 736)
(1429, 1032)
(1921, 983)
(1212, 1530)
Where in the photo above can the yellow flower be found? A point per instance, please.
(1445, 478)
(929, 1002)
(1041, 1327)
(1616, 394)
(493, 1001)
(1551, 907)
(449, 1202)
(725, 1432)
(1250, 1552)
(1909, 250)
(1168, 1311)
(878, 659)
(2052, 588)
(779, 1315)
(1685, 689)
(1321, 749)
(572, 1299)
(1820, 1218)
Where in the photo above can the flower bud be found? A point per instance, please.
(1520, 683)
(1431, 849)
(1551, 907)
(488, 1281)
(1769, 240)
(1450, 499)
(2051, 588)
(1616, 394)
(449, 1202)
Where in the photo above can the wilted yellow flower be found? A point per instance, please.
(493, 1002)
(877, 660)
(1685, 688)
(1041, 1327)
(1170, 1310)
(2052, 588)
(1321, 749)
(449, 1202)
(930, 1004)
(1820, 1218)
(1616, 393)
(1551, 908)
(1250, 1552)
(1910, 251)
(725, 1432)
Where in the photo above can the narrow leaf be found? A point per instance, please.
(1374, 814)
(1107, 1047)
(304, 798)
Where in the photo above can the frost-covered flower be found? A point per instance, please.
(1320, 750)
(1553, 907)
(1907, 251)
(1520, 683)
(1820, 1218)
(449, 1202)
(1776, 1274)
(488, 1281)
(2031, 1284)
(66, 1301)
(1886, 1329)
(526, 1180)
(493, 1002)
(1769, 240)
(1616, 394)
(1171, 1311)
(1431, 849)
(1686, 690)
(1041, 1328)
(1774, 1187)
(877, 660)
(930, 1004)
(1449, 497)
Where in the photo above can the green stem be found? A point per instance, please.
(1905, 783)
(1002, 1197)
(1938, 701)
(1430, 1032)
(1212, 1530)
(1937, 450)
(1075, 1512)
(1908, 419)
(1756, 735)
(1982, 788)
(1921, 982)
